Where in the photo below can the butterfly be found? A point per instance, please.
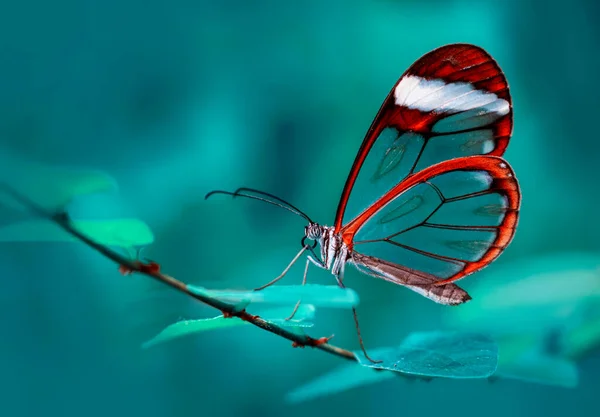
(429, 200)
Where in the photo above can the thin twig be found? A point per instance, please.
(229, 310)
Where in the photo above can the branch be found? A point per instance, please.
(229, 310)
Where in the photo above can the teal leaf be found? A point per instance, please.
(48, 186)
(420, 355)
(541, 369)
(301, 319)
(125, 233)
(318, 295)
(341, 379)
(438, 354)
(580, 340)
(532, 296)
(279, 315)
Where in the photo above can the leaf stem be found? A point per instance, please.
(62, 220)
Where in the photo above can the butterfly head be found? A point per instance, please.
(314, 232)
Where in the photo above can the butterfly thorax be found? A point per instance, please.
(334, 252)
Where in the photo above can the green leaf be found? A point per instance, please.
(582, 339)
(539, 368)
(279, 315)
(341, 379)
(125, 233)
(438, 354)
(318, 295)
(523, 357)
(50, 187)
(420, 355)
(531, 296)
(301, 319)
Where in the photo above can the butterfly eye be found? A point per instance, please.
(305, 245)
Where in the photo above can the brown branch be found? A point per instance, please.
(229, 310)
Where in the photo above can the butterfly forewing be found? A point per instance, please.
(445, 222)
(452, 102)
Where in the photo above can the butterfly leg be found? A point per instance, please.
(309, 259)
(285, 271)
(291, 316)
(316, 262)
(340, 281)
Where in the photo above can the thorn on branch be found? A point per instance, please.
(145, 268)
(241, 314)
(150, 267)
(125, 270)
(309, 341)
(227, 314)
(244, 315)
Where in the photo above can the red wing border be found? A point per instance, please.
(459, 215)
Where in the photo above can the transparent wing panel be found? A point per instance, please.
(449, 224)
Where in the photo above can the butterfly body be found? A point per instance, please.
(333, 250)
(335, 253)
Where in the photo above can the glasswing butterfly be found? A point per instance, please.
(428, 200)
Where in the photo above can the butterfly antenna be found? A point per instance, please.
(264, 193)
(262, 196)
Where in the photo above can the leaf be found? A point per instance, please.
(581, 340)
(540, 368)
(301, 319)
(420, 355)
(341, 379)
(50, 187)
(278, 315)
(531, 296)
(438, 354)
(116, 232)
(318, 295)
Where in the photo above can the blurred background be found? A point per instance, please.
(174, 99)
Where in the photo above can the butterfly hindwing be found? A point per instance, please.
(443, 223)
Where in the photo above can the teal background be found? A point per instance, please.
(175, 99)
